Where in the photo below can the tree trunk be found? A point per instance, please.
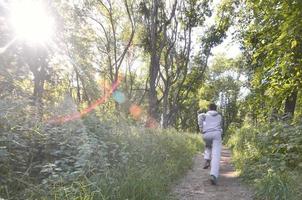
(290, 103)
(165, 121)
(153, 101)
(37, 62)
(39, 80)
(154, 64)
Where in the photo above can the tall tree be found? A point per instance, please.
(272, 42)
(156, 22)
(212, 36)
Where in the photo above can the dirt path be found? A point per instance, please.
(197, 186)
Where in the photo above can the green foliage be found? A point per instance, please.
(271, 39)
(92, 159)
(268, 156)
(277, 186)
(223, 82)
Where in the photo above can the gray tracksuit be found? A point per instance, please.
(211, 125)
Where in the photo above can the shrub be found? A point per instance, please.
(92, 159)
(276, 186)
(264, 156)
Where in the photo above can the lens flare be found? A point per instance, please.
(78, 115)
(119, 97)
(151, 123)
(135, 111)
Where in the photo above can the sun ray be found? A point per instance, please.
(4, 48)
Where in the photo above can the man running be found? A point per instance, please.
(211, 125)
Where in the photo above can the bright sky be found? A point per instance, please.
(229, 47)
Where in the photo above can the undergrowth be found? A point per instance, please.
(92, 158)
(268, 156)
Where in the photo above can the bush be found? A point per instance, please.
(264, 156)
(92, 159)
(276, 185)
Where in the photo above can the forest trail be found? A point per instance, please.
(196, 184)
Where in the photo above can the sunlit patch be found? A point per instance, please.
(31, 21)
(135, 111)
(78, 115)
(230, 174)
(119, 97)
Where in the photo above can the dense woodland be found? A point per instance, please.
(98, 98)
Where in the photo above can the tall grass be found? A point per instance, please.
(154, 160)
(104, 160)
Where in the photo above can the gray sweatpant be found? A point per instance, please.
(213, 153)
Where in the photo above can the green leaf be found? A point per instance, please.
(294, 44)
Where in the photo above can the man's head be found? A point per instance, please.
(212, 106)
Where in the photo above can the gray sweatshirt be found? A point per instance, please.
(210, 121)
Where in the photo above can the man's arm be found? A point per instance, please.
(200, 119)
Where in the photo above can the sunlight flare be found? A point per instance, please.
(31, 21)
